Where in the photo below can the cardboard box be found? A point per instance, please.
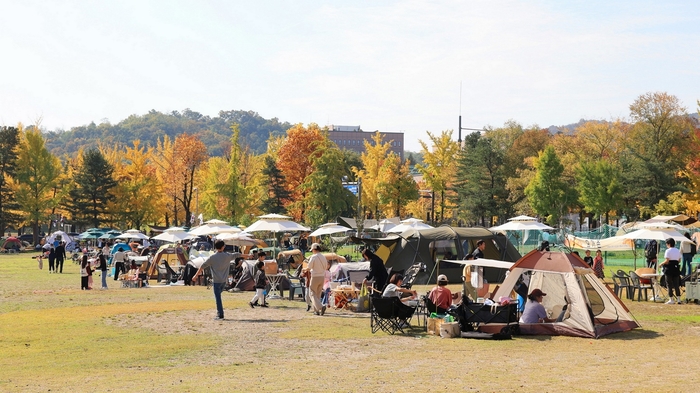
(271, 267)
(449, 330)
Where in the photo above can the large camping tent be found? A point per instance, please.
(592, 309)
(175, 255)
(430, 245)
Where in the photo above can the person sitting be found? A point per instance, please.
(534, 310)
(441, 295)
(394, 288)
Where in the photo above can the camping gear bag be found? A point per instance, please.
(434, 325)
(363, 299)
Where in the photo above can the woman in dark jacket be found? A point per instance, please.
(377, 271)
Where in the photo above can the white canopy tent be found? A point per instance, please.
(213, 229)
(275, 223)
(133, 234)
(329, 229)
(409, 223)
(174, 235)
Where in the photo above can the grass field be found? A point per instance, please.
(54, 337)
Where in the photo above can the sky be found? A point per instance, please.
(408, 66)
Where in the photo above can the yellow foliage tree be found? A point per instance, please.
(372, 160)
(439, 170)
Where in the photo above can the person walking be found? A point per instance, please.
(317, 268)
(220, 264)
(52, 259)
(260, 284)
(377, 271)
(60, 256)
(672, 271)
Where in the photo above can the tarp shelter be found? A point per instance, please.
(592, 309)
(428, 246)
(173, 254)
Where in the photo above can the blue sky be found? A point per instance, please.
(385, 65)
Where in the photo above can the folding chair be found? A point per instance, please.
(390, 315)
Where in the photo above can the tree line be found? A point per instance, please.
(613, 168)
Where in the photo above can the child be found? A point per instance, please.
(84, 273)
(260, 284)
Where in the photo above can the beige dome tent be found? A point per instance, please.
(592, 309)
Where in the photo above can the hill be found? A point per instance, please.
(215, 132)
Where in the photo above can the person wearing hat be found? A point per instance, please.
(317, 268)
(534, 310)
(441, 295)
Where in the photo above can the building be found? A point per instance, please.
(353, 138)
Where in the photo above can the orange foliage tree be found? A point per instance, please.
(295, 160)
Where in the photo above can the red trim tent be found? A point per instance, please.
(588, 307)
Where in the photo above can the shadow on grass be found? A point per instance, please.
(634, 334)
(532, 338)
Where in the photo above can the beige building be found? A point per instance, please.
(353, 138)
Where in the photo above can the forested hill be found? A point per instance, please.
(215, 132)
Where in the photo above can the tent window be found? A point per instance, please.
(445, 249)
(597, 305)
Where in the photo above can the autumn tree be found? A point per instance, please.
(9, 141)
(93, 183)
(547, 193)
(137, 182)
(190, 152)
(372, 160)
(396, 187)
(439, 168)
(656, 155)
(326, 198)
(36, 175)
(295, 162)
(599, 187)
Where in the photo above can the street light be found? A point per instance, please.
(429, 194)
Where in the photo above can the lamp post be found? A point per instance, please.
(429, 194)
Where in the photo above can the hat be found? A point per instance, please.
(537, 293)
(442, 277)
(316, 246)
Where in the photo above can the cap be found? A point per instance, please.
(442, 277)
(316, 246)
(537, 293)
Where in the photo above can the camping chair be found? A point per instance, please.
(409, 277)
(389, 314)
(637, 285)
(626, 283)
(295, 286)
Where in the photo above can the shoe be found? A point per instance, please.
(251, 304)
(323, 310)
(265, 305)
(317, 313)
(671, 301)
(218, 318)
(308, 307)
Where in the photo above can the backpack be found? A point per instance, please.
(650, 249)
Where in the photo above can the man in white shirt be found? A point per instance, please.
(119, 267)
(672, 271)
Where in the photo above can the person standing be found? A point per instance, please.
(85, 274)
(377, 270)
(102, 265)
(688, 249)
(119, 267)
(60, 256)
(52, 258)
(479, 250)
(598, 265)
(672, 271)
(317, 268)
(220, 264)
(303, 244)
(588, 258)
